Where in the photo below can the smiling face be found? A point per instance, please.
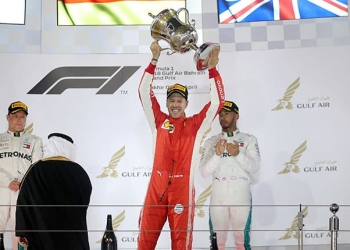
(17, 121)
(176, 105)
(228, 120)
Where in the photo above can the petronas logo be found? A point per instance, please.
(116, 223)
(29, 129)
(292, 231)
(292, 165)
(200, 202)
(285, 102)
(110, 170)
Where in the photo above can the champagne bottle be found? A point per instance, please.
(20, 247)
(214, 243)
(109, 240)
(2, 247)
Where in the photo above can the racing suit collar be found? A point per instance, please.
(230, 134)
(15, 134)
(177, 120)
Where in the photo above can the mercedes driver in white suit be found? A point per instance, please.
(230, 158)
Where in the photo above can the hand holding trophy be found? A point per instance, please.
(211, 58)
(155, 49)
(182, 37)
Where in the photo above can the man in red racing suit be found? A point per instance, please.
(177, 138)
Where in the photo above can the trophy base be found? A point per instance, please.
(202, 53)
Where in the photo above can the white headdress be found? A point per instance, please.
(60, 145)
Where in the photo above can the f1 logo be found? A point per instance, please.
(107, 79)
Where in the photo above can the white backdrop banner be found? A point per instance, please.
(293, 101)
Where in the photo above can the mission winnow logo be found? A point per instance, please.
(107, 79)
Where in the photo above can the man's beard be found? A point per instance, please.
(225, 127)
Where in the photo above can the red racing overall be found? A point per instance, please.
(170, 193)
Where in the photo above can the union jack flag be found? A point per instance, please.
(236, 11)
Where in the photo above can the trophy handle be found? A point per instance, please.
(162, 49)
(187, 17)
(169, 53)
(186, 12)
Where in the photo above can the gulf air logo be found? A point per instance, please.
(29, 129)
(292, 166)
(285, 102)
(201, 201)
(110, 170)
(294, 229)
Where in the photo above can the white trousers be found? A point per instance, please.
(8, 201)
(231, 203)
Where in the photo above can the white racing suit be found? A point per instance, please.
(17, 152)
(230, 196)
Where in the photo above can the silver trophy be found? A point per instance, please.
(181, 36)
